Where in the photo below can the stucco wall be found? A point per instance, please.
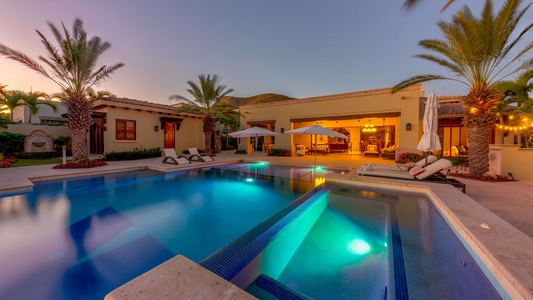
(511, 158)
(27, 129)
(189, 135)
(364, 104)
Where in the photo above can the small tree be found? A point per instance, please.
(10, 100)
(206, 101)
(35, 99)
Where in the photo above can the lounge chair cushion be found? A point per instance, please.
(435, 167)
(391, 173)
(416, 170)
(406, 167)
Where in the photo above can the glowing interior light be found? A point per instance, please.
(359, 247)
(319, 180)
(249, 180)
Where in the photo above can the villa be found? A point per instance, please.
(371, 117)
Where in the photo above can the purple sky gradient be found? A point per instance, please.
(296, 48)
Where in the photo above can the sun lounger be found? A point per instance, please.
(429, 173)
(194, 155)
(172, 158)
(402, 167)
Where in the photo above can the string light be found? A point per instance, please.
(523, 126)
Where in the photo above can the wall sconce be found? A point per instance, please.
(156, 128)
(282, 130)
(408, 126)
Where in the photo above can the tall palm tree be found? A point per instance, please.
(206, 101)
(35, 99)
(477, 51)
(72, 66)
(11, 99)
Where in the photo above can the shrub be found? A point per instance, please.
(7, 161)
(11, 142)
(4, 122)
(137, 153)
(280, 152)
(52, 123)
(408, 157)
(61, 141)
(81, 165)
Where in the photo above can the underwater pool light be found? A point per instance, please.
(249, 179)
(359, 247)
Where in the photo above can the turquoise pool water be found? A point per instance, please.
(344, 242)
(80, 238)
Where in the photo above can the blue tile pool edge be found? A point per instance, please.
(228, 261)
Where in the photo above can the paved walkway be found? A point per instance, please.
(512, 201)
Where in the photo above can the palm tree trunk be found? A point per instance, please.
(208, 142)
(478, 151)
(79, 145)
(79, 121)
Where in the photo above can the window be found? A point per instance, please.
(125, 130)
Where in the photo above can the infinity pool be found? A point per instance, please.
(81, 238)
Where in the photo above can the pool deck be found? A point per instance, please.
(508, 201)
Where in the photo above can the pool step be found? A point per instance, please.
(265, 288)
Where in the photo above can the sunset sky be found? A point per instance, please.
(296, 48)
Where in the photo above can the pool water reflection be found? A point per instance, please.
(81, 238)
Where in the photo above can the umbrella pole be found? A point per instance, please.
(315, 148)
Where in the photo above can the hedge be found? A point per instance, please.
(137, 153)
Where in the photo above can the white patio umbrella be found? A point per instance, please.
(430, 140)
(317, 129)
(253, 132)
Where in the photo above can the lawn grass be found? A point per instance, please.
(23, 162)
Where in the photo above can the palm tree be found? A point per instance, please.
(73, 68)
(33, 100)
(477, 51)
(11, 99)
(517, 93)
(206, 101)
